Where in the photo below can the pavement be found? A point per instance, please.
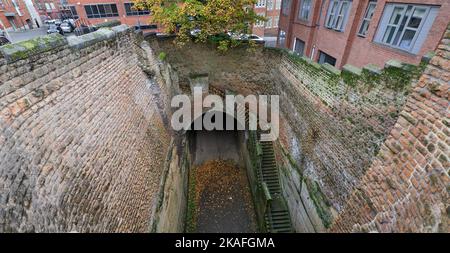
(224, 198)
(22, 35)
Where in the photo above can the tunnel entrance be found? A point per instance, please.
(219, 195)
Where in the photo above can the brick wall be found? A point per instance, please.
(81, 146)
(349, 48)
(406, 187)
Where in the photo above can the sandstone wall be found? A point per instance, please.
(332, 123)
(81, 145)
(406, 188)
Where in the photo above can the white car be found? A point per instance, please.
(66, 27)
(245, 37)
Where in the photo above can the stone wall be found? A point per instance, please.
(332, 122)
(82, 146)
(406, 188)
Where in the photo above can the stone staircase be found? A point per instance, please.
(277, 213)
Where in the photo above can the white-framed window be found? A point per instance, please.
(405, 26)
(53, 6)
(270, 4)
(47, 6)
(366, 19)
(326, 58)
(278, 4)
(337, 14)
(299, 47)
(305, 10)
(276, 20)
(260, 23)
(269, 23)
(260, 3)
(285, 7)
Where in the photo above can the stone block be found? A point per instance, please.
(86, 40)
(120, 29)
(352, 69)
(372, 69)
(393, 64)
(331, 69)
(25, 49)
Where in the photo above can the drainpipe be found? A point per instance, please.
(318, 8)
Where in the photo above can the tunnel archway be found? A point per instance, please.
(219, 197)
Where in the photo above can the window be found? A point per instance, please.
(130, 11)
(367, 17)
(305, 9)
(269, 4)
(269, 23)
(282, 39)
(260, 3)
(299, 47)
(101, 10)
(278, 4)
(276, 20)
(405, 26)
(53, 6)
(325, 58)
(146, 27)
(285, 7)
(337, 14)
(260, 23)
(47, 6)
(73, 12)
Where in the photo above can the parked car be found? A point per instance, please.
(66, 27)
(4, 41)
(247, 37)
(52, 28)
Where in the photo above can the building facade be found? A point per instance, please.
(270, 9)
(14, 15)
(99, 11)
(362, 32)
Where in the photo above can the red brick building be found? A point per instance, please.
(14, 15)
(362, 32)
(99, 11)
(271, 10)
(49, 9)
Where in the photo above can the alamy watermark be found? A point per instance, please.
(242, 113)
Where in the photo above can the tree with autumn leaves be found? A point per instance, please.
(209, 19)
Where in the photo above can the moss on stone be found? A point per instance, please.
(24, 49)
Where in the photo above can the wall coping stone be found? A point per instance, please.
(393, 64)
(352, 69)
(373, 69)
(120, 29)
(27, 48)
(24, 49)
(85, 40)
(331, 69)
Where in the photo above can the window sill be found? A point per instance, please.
(333, 30)
(302, 22)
